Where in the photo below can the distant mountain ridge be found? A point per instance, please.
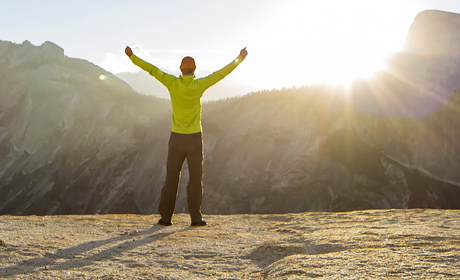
(75, 142)
(143, 83)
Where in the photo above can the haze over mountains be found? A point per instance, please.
(143, 83)
(75, 142)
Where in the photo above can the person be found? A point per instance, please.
(186, 141)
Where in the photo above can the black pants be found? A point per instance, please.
(181, 147)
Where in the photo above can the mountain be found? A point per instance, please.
(434, 33)
(75, 139)
(412, 107)
(143, 83)
(68, 137)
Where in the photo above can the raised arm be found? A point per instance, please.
(219, 75)
(164, 78)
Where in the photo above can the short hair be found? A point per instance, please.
(188, 71)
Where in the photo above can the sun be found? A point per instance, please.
(337, 42)
(348, 69)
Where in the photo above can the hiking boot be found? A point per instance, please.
(201, 223)
(163, 223)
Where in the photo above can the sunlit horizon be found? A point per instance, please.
(336, 49)
(290, 43)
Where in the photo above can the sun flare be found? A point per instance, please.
(349, 70)
(297, 43)
(337, 42)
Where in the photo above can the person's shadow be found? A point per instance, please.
(75, 259)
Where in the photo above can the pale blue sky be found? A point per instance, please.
(290, 42)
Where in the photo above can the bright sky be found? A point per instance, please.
(290, 42)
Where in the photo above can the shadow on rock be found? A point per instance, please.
(80, 255)
(274, 250)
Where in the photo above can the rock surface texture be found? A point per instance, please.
(75, 139)
(373, 244)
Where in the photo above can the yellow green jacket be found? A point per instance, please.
(186, 93)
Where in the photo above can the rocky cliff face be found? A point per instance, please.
(434, 33)
(411, 110)
(75, 139)
(71, 134)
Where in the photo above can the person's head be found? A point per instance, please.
(187, 67)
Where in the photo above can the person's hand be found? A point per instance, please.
(128, 51)
(244, 53)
